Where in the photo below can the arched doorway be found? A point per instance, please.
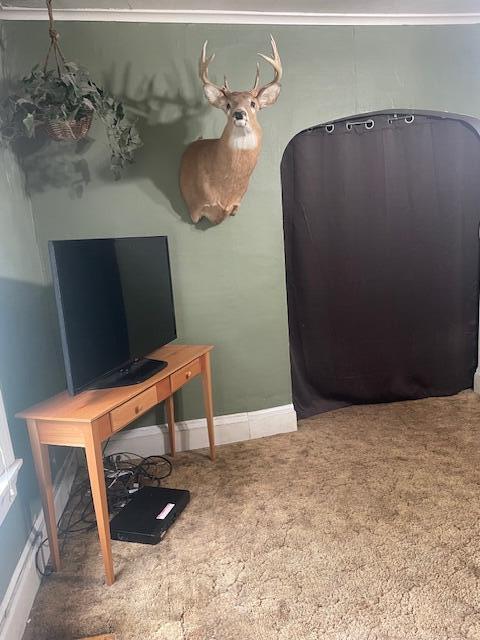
(381, 219)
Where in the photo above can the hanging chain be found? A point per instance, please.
(54, 46)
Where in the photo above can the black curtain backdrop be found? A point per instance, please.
(382, 260)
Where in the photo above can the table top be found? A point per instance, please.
(92, 404)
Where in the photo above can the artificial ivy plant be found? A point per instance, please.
(61, 102)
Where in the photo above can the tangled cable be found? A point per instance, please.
(125, 473)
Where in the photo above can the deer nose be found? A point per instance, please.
(239, 115)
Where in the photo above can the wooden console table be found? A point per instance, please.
(89, 418)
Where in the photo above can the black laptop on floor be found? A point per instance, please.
(148, 515)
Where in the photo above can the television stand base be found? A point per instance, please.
(133, 373)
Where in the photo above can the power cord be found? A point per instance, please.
(125, 473)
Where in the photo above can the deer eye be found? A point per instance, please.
(252, 104)
(228, 106)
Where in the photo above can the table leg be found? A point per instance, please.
(171, 422)
(93, 451)
(44, 475)
(207, 401)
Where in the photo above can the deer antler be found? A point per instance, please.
(257, 80)
(203, 69)
(276, 64)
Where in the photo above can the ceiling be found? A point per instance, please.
(253, 11)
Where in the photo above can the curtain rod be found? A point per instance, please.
(408, 118)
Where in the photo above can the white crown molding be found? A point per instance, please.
(204, 16)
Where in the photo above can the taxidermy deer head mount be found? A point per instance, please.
(214, 174)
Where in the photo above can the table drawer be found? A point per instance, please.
(185, 374)
(163, 389)
(135, 407)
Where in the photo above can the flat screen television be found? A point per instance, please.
(115, 306)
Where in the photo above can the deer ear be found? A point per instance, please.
(215, 96)
(268, 96)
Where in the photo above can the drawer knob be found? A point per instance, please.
(188, 374)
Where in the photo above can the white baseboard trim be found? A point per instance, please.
(22, 589)
(192, 434)
(476, 381)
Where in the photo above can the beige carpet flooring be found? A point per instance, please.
(363, 525)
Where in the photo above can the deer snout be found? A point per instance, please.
(240, 114)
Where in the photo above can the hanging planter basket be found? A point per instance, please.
(62, 102)
(70, 129)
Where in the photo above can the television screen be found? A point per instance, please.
(115, 303)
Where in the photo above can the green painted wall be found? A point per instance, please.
(30, 364)
(229, 280)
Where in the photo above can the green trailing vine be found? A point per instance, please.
(62, 103)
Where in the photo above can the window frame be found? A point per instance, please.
(9, 466)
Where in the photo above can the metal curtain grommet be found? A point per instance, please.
(329, 128)
(348, 126)
(369, 124)
(409, 119)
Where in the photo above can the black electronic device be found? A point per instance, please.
(148, 515)
(115, 306)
